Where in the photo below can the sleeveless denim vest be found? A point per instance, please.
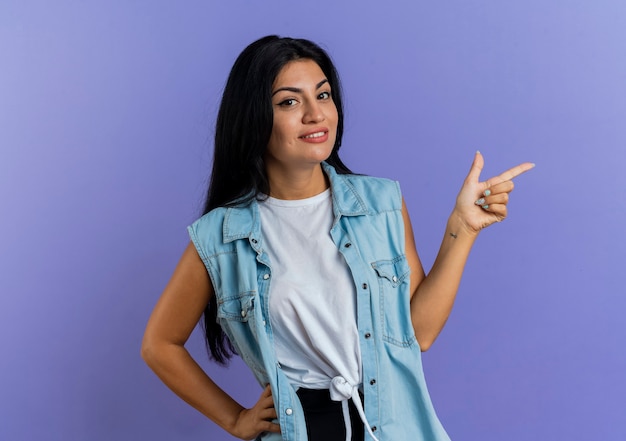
(368, 230)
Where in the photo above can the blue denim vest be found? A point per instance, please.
(368, 230)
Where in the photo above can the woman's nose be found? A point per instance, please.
(313, 113)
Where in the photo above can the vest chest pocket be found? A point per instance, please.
(236, 316)
(239, 307)
(393, 281)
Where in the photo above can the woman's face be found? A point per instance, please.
(305, 117)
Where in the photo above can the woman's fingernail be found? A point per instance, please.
(480, 201)
(487, 192)
(485, 206)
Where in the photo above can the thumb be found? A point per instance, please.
(476, 169)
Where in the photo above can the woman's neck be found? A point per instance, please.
(292, 184)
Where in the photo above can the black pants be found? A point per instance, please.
(324, 417)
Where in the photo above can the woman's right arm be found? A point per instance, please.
(163, 348)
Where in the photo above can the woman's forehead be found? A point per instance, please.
(304, 72)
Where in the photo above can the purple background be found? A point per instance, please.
(106, 114)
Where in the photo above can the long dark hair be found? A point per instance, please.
(242, 132)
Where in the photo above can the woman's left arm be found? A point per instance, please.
(478, 205)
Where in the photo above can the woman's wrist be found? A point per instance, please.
(457, 229)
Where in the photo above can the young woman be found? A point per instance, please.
(307, 271)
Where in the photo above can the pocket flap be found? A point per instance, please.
(395, 270)
(238, 307)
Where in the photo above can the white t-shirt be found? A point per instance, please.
(312, 294)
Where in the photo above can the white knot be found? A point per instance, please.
(340, 389)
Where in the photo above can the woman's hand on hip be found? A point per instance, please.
(258, 419)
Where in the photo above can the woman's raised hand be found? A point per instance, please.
(258, 419)
(480, 204)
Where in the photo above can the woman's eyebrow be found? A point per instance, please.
(298, 90)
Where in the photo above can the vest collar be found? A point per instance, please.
(242, 221)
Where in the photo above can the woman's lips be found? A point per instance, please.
(315, 137)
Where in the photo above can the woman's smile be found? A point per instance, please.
(316, 136)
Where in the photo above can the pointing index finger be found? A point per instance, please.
(510, 173)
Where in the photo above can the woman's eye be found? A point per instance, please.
(288, 102)
(324, 95)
